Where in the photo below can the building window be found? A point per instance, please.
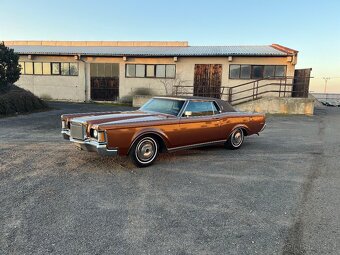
(160, 71)
(269, 71)
(47, 68)
(55, 68)
(234, 71)
(245, 71)
(280, 71)
(130, 71)
(256, 71)
(65, 68)
(28, 67)
(44, 68)
(140, 71)
(150, 71)
(170, 71)
(38, 68)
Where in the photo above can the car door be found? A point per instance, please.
(201, 125)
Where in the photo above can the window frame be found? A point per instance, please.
(31, 62)
(126, 67)
(43, 67)
(59, 64)
(239, 71)
(144, 66)
(62, 64)
(285, 71)
(146, 71)
(212, 102)
(251, 72)
(154, 71)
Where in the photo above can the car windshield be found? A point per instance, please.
(162, 105)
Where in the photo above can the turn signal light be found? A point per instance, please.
(101, 137)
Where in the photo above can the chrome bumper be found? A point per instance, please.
(66, 134)
(90, 145)
(264, 126)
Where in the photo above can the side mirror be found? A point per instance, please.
(187, 113)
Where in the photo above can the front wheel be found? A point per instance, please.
(236, 139)
(144, 151)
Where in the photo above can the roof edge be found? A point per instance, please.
(98, 43)
(284, 49)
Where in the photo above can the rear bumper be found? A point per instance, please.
(264, 126)
(90, 145)
(65, 133)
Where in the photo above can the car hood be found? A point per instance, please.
(119, 118)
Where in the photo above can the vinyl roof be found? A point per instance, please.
(152, 51)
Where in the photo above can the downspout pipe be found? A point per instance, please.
(85, 75)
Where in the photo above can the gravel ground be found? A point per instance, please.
(279, 194)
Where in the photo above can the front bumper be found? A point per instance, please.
(90, 145)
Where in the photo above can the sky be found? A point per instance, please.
(311, 27)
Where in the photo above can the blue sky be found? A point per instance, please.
(312, 27)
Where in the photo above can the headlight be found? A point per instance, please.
(95, 133)
(63, 124)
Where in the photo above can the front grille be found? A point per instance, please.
(77, 131)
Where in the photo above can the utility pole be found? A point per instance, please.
(326, 79)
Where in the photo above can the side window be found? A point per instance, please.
(201, 108)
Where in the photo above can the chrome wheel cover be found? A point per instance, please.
(146, 150)
(236, 138)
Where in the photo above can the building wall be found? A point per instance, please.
(57, 87)
(77, 88)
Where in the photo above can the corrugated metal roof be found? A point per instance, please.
(265, 50)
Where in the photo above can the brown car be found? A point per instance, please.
(162, 124)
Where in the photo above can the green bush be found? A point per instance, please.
(17, 100)
(9, 67)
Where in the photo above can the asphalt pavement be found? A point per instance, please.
(278, 194)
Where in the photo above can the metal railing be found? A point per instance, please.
(249, 91)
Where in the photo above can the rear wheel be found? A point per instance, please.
(236, 139)
(144, 151)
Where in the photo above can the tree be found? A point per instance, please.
(9, 66)
(171, 84)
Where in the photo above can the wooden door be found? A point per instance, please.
(301, 82)
(207, 80)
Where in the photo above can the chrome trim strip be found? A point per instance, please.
(180, 113)
(196, 145)
(171, 98)
(264, 126)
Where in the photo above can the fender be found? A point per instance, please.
(244, 126)
(150, 130)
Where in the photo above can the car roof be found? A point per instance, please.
(223, 105)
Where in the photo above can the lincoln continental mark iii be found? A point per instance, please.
(163, 124)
